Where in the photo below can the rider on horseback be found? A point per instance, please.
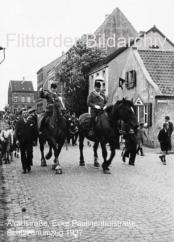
(96, 101)
(52, 97)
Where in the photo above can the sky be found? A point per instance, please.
(51, 21)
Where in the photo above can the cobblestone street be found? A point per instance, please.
(83, 204)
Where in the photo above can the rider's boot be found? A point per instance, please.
(92, 132)
(41, 130)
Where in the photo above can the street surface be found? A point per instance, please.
(134, 203)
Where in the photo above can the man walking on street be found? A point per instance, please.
(164, 140)
(24, 138)
(169, 130)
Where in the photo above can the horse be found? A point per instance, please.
(106, 130)
(55, 133)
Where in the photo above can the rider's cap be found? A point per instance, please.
(31, 110)
(100, 78)
(23, 110)
(54, 84)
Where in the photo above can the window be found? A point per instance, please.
(15, 99)
(154, 47)
(22, 99)
(29, 99)
(130, 79)
(144, 113)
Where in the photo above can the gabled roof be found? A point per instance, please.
(51, 65)
(160, 66)
(117, 52)
(116, 24)
(155, 29)
(21, 86)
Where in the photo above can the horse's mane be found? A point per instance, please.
(125, 101)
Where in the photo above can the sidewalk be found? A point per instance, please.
(2, 207)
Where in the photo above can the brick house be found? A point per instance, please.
(148, 71)
(20, 95)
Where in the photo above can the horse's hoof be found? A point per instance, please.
(48, 156)
(58, 169)
(106, 171)
(82, 163)
(53, 166)
(96, 165)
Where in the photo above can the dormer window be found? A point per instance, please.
(153, 47)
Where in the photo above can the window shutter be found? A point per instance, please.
(149, 114)
(136, 111)
(127, 79)
(134, 78)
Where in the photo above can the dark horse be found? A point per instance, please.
(106, 130)
(55, 133)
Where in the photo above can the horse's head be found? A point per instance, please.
(125, 110)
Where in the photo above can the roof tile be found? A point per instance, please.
(160, 65)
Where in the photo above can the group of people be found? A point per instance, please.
(134, 139)
(26, 127)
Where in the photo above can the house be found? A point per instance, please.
(115, 26)
(20, 95)
(147, 66)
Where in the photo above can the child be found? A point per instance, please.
(141, 135)
(164, 140)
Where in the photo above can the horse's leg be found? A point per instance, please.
(57, 153)
(95, 147)
(11, 155)
(104, 154)
(41, 143)
(49, 154)
(81, 145)
(108, 162)
(8, 156)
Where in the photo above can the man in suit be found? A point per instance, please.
(96, 101)
(24, 138)
(169, 130)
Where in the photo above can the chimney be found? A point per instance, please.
(23, 79)
(106, 16)
(141, 33)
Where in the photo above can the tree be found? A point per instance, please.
(73, 73)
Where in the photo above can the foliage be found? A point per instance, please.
(73, 73)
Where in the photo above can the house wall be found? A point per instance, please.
(18, 104)
(118, 67)
(164, 107)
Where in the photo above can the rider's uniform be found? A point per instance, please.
(52, 98)
(94, 99)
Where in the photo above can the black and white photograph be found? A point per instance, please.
(86, 121)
